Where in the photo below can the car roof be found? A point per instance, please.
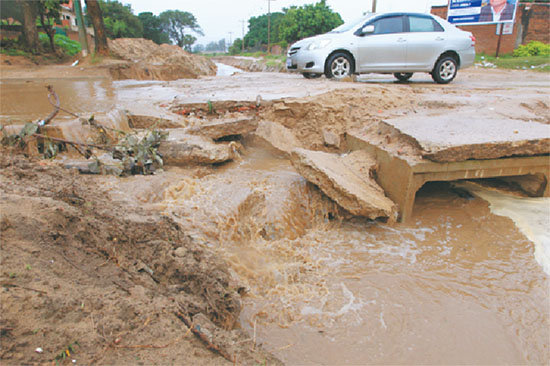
(404, 13)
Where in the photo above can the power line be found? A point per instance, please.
(269, 26)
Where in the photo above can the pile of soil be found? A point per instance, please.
(91, 280)
(150, 61)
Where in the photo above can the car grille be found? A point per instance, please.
(293, 51)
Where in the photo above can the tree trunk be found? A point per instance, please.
(101, 46)
(30, 32)
(525, 20)
(48, 28)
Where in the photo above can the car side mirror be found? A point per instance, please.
(368, 29)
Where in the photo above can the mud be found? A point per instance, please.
(252, 247)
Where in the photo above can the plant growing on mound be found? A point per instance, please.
(533, 48)
(49, 12)
(66, 44)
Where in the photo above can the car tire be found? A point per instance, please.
(403, 76)
(310, 75)
(339, 66)
(445, 70)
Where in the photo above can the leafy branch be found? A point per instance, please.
(137, 151)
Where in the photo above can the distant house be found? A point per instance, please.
(70, 21)
(68, 16)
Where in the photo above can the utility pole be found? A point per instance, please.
(230, 34)
(82, 34)
(269, 26)
(374, 6)
(242, 43)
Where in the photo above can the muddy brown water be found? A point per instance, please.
(77, 95)
(457, 285)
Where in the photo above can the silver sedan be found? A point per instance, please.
(393, 43)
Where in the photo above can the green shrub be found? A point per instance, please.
(533, 48)
(66, 44)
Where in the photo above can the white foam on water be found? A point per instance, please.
(531, 216)
(351, 305)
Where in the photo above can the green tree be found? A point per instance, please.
(308, 20)
(24, 11)
(177, 24)
(152, 28)
(49, 14)
(198, 48)
(257, 30)
(119, 20)
(236, 47)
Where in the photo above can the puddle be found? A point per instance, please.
(226, 70)
(77, 96)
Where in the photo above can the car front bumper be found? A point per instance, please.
(306, 61)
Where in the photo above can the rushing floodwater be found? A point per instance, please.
(463, 283)
(458, 285)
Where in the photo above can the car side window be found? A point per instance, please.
(423, 24)
(388, 25)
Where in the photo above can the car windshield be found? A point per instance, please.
(350, 25)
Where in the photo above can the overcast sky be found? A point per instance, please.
(219, 17)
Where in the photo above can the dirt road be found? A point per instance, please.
(251, 252)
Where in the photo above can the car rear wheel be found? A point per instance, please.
(310, 75)
(339, 66)
(445, 70)
(403, 76)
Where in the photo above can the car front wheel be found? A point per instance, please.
(339, 66)
(403, 76)
(445, 70)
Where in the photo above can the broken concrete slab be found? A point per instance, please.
(490, 150)
(362, 163)
(228, 127)
(339, 179)
(453, 138)
(180, 148)
(402, 176)
(276, 136)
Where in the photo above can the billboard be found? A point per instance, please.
(481, 11)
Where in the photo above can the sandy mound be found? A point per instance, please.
(149, 61)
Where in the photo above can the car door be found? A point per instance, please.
(384, 49)
(425, 41)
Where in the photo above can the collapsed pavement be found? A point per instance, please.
(314, 134)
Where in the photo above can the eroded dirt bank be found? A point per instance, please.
(317, 285)
(109, 280)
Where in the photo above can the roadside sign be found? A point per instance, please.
(482, 11)
(507, 28)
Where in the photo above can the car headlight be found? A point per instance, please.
(317, 45)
